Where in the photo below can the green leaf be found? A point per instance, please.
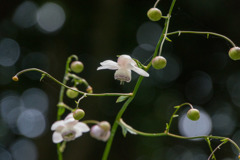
(121, 99)
(124, 131)
(168, 39)
(43, 75)
(167, 126)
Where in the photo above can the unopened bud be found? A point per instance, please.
(15, 78)
(193, 114)
(234, 53)
(77, 66)
(89, 89)
(159, 62)
(154, 14)
(104, 125)
(78, 114)
(72, 94)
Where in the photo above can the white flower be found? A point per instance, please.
(123, 66)
(101, 131)
(68, 129)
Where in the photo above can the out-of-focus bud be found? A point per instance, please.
(89, 89)
(159, 62)
(101, 131)
(72, 94)
(77, 66)
(15, 78)
(154, 14)
(78, 114)
(234, 53)
(193, 114)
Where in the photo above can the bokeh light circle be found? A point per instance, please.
(25, 14)
(50, 17)
(35, 98)
(190, 128)
(9, 52)
(24, 149)
(31, 123)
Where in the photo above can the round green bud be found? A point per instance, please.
(193, 114)
(159, 62)
(104, 125)
(78, 114)
(234, 53)
(154, 14)
(77, 66)
(72, 94)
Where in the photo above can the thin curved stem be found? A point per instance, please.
(198, 32)
(64, 85)
(177, 136)
(218, 147)
(156, 3)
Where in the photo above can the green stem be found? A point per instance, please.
(60, 157)
(118, 117)
(210, 147)
(65, 86)
(124, 107)
(174, 114)
(198, 32)
(218, 147)
(91, 121)
(165, 29)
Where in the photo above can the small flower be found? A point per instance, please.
(68, 129)
(123, 68)
(101, 131)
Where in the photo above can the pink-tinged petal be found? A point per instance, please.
(124, 61)
(58, 125)
(57, 137)
(106, 137)
(108, 64)
(70, 115)
(123, 75)
(81, 126)
(140, 71)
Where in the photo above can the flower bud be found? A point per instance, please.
(72, 94)
(15, 78)
(159, 62)
(234, 53)
(105, 125)
(77, 66)
(89, 89)
(154, 14)
(78, 114)
(101, 131)
(193, 114)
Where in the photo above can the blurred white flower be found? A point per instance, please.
(68, 129)
(101, 131)
(123, 68)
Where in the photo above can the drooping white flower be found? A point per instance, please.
(101, 131)
(123, 68)
(68, 129)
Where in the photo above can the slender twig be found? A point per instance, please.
(210, 147)
(198, 32)
(64, 85)
(218, 147)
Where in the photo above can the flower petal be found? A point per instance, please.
(123, 75)
(81, 126)
(57, 137)
(57, 125)
(140, 71)
(108, 64)
(124, 61)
